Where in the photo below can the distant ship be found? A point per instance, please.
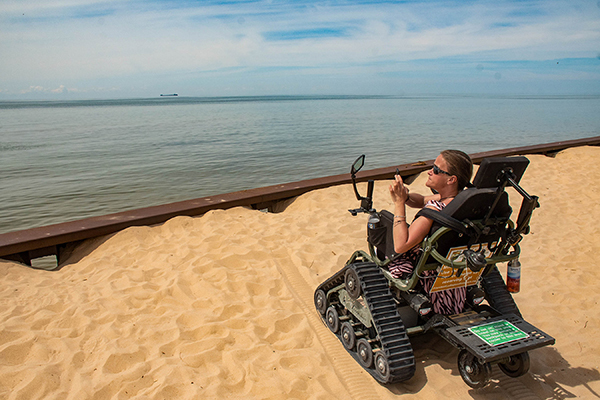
(168, 95)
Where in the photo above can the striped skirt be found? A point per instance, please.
(446, 302)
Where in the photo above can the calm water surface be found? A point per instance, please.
(62, 161)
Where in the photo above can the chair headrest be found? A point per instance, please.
(490, 171)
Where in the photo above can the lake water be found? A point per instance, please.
(62, 161)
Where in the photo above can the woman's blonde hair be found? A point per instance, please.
(459, 165)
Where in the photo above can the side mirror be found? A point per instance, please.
(358, 164)
(366, 203)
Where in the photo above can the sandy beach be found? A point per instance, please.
(221, 306)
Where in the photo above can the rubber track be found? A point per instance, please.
(387, 322)
(498, 295)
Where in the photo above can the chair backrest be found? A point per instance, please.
(471, 205)
(475, 204)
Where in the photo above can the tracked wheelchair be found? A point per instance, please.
(374, 314)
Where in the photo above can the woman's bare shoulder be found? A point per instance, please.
(432, 197)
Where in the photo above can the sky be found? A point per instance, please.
(88, 49)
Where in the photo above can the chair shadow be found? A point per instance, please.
(562, 374)
(431, 349)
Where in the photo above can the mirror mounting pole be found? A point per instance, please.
(367, 202)
(358, 196)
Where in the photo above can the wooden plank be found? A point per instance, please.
(20, 242)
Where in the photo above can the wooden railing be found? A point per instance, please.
(25, 245)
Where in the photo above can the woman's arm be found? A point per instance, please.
(416, 200)
(406, 238)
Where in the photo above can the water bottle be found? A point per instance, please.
(374, 222)
(513, 276)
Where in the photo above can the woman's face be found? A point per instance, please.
(437, 181)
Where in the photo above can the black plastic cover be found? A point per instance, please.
(491, 168)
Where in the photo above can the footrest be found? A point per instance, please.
(499, 337)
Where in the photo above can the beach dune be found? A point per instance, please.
(221, 306)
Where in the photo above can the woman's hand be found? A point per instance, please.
(398, 191)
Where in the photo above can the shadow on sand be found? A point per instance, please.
(550, 379)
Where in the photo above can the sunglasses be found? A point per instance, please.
(437, 170)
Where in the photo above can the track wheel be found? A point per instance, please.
(352, 284)
(382, 366)
(365, 353)
(348, 335)
(333, 319)
(474, 373)
(516, 366)
(321, 301)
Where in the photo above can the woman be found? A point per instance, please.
(450, 173)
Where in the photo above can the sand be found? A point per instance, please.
(221, 306)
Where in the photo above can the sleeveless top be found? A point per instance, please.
(446, 302)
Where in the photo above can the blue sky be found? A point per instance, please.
(61, 49)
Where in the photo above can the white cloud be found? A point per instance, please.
(41, 89)
(83, 40)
